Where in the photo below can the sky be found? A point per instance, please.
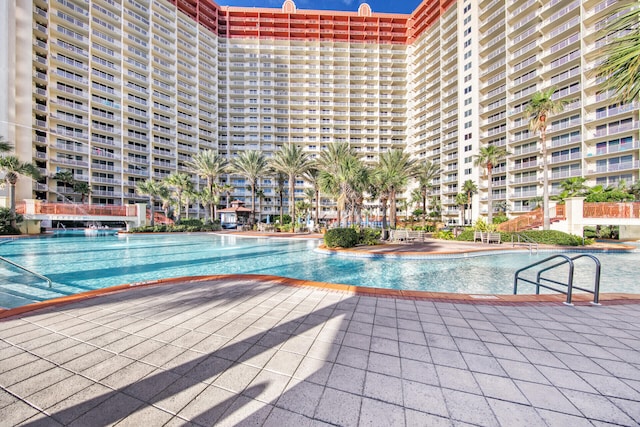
(386, 6)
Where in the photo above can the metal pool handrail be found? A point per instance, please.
(569, 284)
(49, 282)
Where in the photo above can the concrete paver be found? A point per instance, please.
(255, 352)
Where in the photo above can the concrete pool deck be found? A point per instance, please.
(254, 352)
(251, 350)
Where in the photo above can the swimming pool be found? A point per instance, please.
(78, 263)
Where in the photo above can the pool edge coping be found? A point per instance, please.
(481, 299)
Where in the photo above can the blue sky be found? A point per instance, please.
(396, 6)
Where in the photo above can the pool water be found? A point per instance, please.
(78, 263)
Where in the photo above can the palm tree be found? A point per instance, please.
(469, 187)
(251, 165)
(461, 200)
(227, 189)
(66, 178)
(280, 178)
(397, 167)
(346, 182)
(179, 183)
(621, 65)
(312, 176)
(310, 195)
(541, 106)
(83, 188)
(154, 190)
(292, 161)
(571, 187)
(426, 172)
(209, 198)
(329, 163)
(260, 196)
(12, 168)
(488, 157)
(209, 165)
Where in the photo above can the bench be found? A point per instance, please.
(493, 238)
(488, 237)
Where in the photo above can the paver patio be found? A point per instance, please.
(251, 352)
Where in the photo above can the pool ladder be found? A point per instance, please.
(569, 283)
(40, 276)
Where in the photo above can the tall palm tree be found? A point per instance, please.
(469, 188)
(312, 176)
(251, 165)
(280, 179)
(461, 200)
(209, 165)
(227, 190)
(179, 183)
(426, 172)
(346, 182)
(621, 65)
(152, 189)
(329, 163)
(260, 196)
(540, 108)
(292, 161)
(488, 157)
(13, 168)
(398, 167)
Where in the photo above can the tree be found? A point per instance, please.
(251, 165)
(397, 167)
(209, 165)
(469, 188)
(280, 178)
(154, 190)
(571, 187)
(540, 108)
(461, 200)
(635, 190)
(346, 182)
(13, 168)
(620, 65)
(426, 172)
(312, 176)
(260, 196)
(179, 183)
(292, 161)
(488, 157)
(329, 163)
(83, 188)
(226, 189)
(67, 180)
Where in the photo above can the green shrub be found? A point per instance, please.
(369, 236)
(549, 237)
(191, 222)
(553, 237)
(466, 235)
(5, 222)
(444, 235)
(341, 238)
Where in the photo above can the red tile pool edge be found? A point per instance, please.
(484, 299)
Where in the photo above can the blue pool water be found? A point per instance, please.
(78, 263)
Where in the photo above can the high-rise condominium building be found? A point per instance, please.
(119, 91)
